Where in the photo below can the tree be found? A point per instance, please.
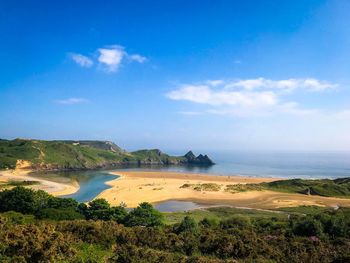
(119, 214)
(100, 209)
(99, 204)
(23, 200)
(144, 215)
(188, 224)
(308, 227)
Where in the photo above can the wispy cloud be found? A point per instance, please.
(71, 101)
(138, 58)
(205, 95)
(249, 96)
(81, 60)
(283, 84)
(109, 58)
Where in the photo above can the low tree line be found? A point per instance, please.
(45, 206)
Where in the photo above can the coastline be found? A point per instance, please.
(154, 187)
(54, 188)
(134, 187)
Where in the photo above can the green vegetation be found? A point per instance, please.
(82, 155)
(216, 214)
(111, 234)
(323, 187)
(14, 183)
(155, 156)
(45, 206)
(203, 187)
(237, 188)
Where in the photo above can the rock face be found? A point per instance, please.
(199, 160)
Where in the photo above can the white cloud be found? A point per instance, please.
(249, 96)
(138, 58)
(111, 57)
(81, 60)
(342, 115)
(284, 84)
(71, 101)
(215, 82)
(205, 95)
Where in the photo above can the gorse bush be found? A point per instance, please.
(112, 234)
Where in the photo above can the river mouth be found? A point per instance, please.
(91, 183)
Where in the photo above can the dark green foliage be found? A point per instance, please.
(188, 224)
(99, 209)
(308, 227)
(59, 214)
(144, 215)
(23, 200)
(236, 221)
(322, 236)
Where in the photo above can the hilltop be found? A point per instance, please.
(71, 154)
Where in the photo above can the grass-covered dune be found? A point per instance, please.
(40, 154)
(323, 187)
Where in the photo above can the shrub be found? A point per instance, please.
(144, 215)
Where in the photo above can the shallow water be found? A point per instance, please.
(177, 206)
(91, 182)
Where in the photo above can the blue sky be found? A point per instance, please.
(205, 75)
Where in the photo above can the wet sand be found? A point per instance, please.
(54, 188)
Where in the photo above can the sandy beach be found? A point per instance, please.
(54, 188)
(135, 187)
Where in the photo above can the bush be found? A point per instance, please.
(144, 215)
(16, 218)
(188, 224)
(59, 214)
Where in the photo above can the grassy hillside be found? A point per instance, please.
(322, 187)
(156, 156)
(78, 155)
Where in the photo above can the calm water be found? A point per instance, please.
(274, 164)
(284, 165)
(177, 206)
(91, 182)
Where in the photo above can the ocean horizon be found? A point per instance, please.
(293, 164)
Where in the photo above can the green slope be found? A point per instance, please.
(322, 187)
(79, 155)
